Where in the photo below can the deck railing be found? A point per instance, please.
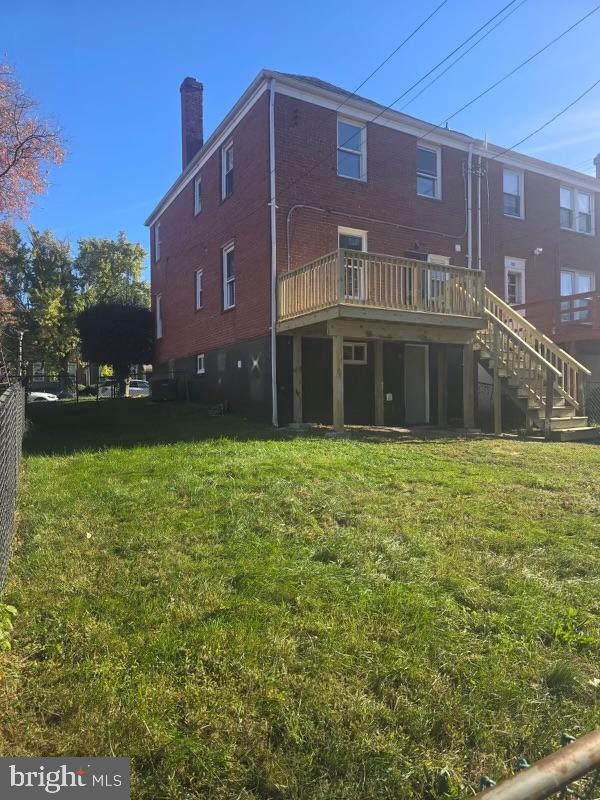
(571, 374)
(572, 317)
(352, 278)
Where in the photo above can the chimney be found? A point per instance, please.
(192, 136)
(597, 163)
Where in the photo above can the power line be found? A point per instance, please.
(548, 122)
(462, 55)
(393, 53)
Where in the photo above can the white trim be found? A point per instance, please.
(273, 233)
(200, 365)
(516, 266)
(438, 167)
(365, 111)
(353, 359)
(342, 230)
(224, 150)
(197, 195)
(356, 123)
(229, 248)
(521, 177)
(198, 295)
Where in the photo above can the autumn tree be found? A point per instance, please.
(28, 145)
(110, 271)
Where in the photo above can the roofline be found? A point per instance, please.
(363, 109)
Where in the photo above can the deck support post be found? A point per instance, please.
(297, 377)
(497, 382)
(549, 403)
(442, 386)
(338, 382)
(378, 370)
(468, 386)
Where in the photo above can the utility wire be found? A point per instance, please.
(462, 55)
(548, 122)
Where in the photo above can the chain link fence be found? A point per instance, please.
(592, 402)
(12, 420)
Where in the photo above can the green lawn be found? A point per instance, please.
(251, 615)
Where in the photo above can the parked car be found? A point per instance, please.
(66, 394)
(107, 389)
(41, 397)
(138, 388)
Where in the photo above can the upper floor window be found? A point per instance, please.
(512, 185)
(351, 150)
(200, 364)
(159, 329)
(576, 210)
(429, 171)
(199, 290)
(227, 171)
(157, 241)
(228, 277)
(197, 196)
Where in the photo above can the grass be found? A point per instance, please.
(251, 615)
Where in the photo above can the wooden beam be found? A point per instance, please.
(338, 383)
(549, 403)
(391, 331)
(297, 377)
(442, 385)
(378, 370)
(468, 386)
(497, 383)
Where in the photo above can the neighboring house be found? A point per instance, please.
(265, 245)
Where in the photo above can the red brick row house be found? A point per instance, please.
(322, 258)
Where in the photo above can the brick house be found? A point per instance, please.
(267, 292)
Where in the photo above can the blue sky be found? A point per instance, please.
(109, 73)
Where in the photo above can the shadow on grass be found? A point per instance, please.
(66, 428)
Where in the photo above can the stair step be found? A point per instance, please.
(568, 423)
(558, 411)
(576, 434)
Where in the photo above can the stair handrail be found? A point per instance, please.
(524, 322)
(522, 343)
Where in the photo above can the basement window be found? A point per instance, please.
(355, 353)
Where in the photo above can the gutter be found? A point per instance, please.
(273, 208)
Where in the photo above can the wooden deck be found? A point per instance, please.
(355, 285)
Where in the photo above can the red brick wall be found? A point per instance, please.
(191, 242)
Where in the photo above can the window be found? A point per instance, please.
(576, 210)
(355, 353)
(197, 196)
(227, 171)
(157, 241)
(514, 276)
(200, 364)
(199, 290)
(352, 239)
(158, 316)
(228, 277)
(512, 184)
(429, 172)
(351, 150)
(573, 282)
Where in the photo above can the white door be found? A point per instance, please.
(416, 384)
(514, 281)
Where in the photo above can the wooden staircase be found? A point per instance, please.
(534, 372)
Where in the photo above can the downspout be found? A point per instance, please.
(479, 213)
(273, 207)
(470, 208)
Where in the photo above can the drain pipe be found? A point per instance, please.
(273, 208)
(470, 208)
(479, 213)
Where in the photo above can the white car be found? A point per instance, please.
(138, 388)
(107, 390)
(41, 397)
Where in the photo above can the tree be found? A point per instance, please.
(119, 334)
(53, 302)
(13, 268)
(110, 271)
(28, 143)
